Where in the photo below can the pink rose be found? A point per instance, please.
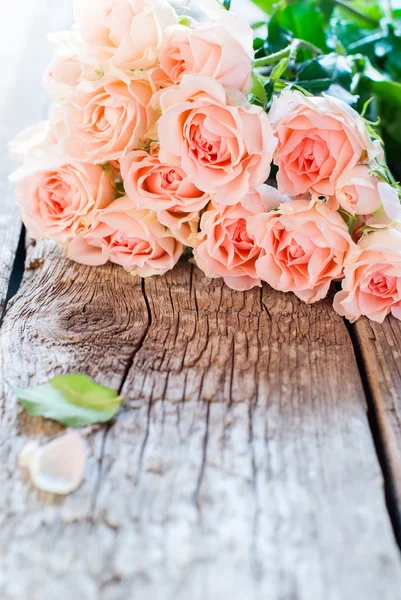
(305, 244)
(319, 138)
(125, 34)
(128, 237)
(225, 247)
(357, 192)
(205, 50)
(222, 143)
(63, 74)
(163, 188)
(103, 121)
(372, 283)
(57, 203)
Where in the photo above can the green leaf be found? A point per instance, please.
(280, 68)
(305, 21)
(266, 5)
(258, 93)
(71, 400)
(328, 73)
(364, 13)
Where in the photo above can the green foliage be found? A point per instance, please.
(347, 48)
(71, 400)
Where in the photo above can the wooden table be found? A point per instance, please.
(258, 451)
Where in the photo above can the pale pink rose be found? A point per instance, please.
(62, 76)
(225, 247)
(128, 237)
(222, 143)
(66, 69)
(305, 244)
(125, 34)
(357, 192)
(37, 150)
(372, 283)
(58, 203)
(204, 50)
(390, 198)
(163, 188)
(319, 138)
(103, 121)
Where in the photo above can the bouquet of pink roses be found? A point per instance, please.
(162, 135)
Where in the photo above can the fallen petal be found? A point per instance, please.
(57, 467)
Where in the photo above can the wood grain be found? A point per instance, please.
(380, 347)
(241, 464)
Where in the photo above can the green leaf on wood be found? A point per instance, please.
(71, 400)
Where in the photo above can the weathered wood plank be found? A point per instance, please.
(264, 493)
(380, 347)
(26, 52)
(65, 319)
(241, 465)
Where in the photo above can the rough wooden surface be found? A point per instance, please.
(380, 347)
(241, 466)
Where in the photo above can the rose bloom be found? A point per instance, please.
(319, 139)
(305, 244)
(58, 202)
(372, 283)
(163, 188)
(357, 192)
(65, 70)
(225, 247)
(222, 143)
(207, 49)
(125, 34)
(102, 121)
(128, 237)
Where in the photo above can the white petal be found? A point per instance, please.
(391, 201)
(57, 467)
(236, 25)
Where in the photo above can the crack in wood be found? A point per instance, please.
(202, 468)
(379, 427)
(16, 275)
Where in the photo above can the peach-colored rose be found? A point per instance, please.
(66, 69)
(125, 34)
(318, 139)
(304, 247)
(372, 283)
(57, 203)
(207, 49)
(222, 143)
(128, 237)
(104, 120)
(225, 247)
(163, 188)
(357, 192)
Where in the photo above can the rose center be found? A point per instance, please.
(204, 149)
(381, 285)
(170, 178)
(240, 235)
(119, 242)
